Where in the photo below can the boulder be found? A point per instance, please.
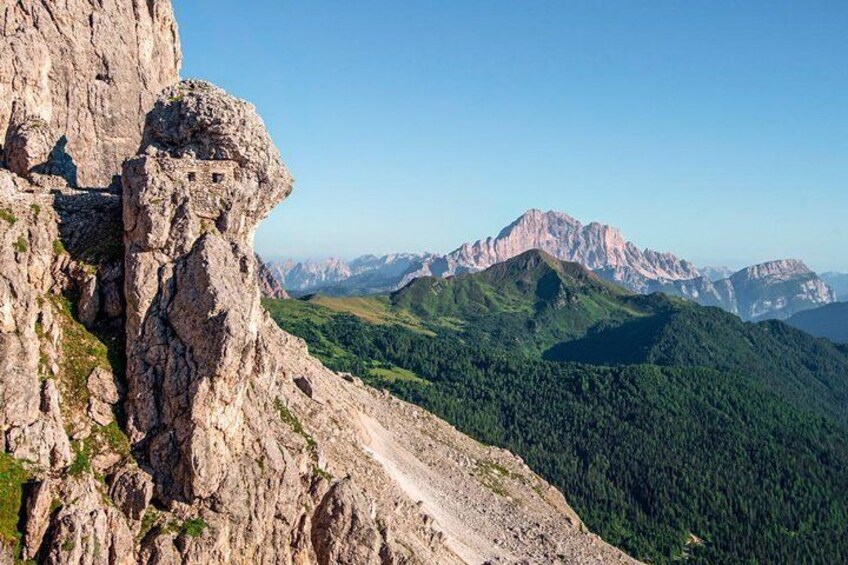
(131, 492)
(343, 530)
(28, 144)
(37, 517)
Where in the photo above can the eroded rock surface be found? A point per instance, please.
(86, 73)
(47, 361)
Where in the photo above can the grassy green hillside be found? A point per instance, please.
(543, 307)
(809, 372)
(530, 302)
(676, 431)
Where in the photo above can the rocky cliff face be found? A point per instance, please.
(153, 413)
(77, 78)
(778, 289)
(596, 246)
(599, 247)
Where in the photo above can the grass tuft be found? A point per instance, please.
(8, 216)
(82, 352)
(290, 419)
(82, 458)
(322, 472)
(20, 245)
(194, 528)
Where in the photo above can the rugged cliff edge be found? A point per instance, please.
(151, 410)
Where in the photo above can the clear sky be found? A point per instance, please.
(717, 130)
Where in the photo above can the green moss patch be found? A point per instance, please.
(7, 216)
(113, 437)
(82, 458)
(20, 245)
(193, 528)
(148, 521)
(58, 247)
(82, 352)
(13, 475)
(103, 439)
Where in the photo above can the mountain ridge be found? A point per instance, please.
(829, 321)
(774, 289)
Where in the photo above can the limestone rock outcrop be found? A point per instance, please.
(192, 201)
(85, 74)
(217, 408)
(343, 530)
(778, 289)
(155, 412)
(52, 367)
(596, 246)
(30, 418)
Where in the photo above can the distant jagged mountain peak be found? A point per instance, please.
(752, 293)
(778, 289)
(716, 273)
(536, 217)
(596, 246)
(364, 274)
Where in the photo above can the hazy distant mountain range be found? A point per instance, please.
(716, 273)
(367, 274)
(777, 289)
(830, 321)
(839, 283)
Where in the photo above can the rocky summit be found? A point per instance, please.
(598, 247)
(776, 289)
(151, 410)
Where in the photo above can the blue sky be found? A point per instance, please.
(716, 130)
